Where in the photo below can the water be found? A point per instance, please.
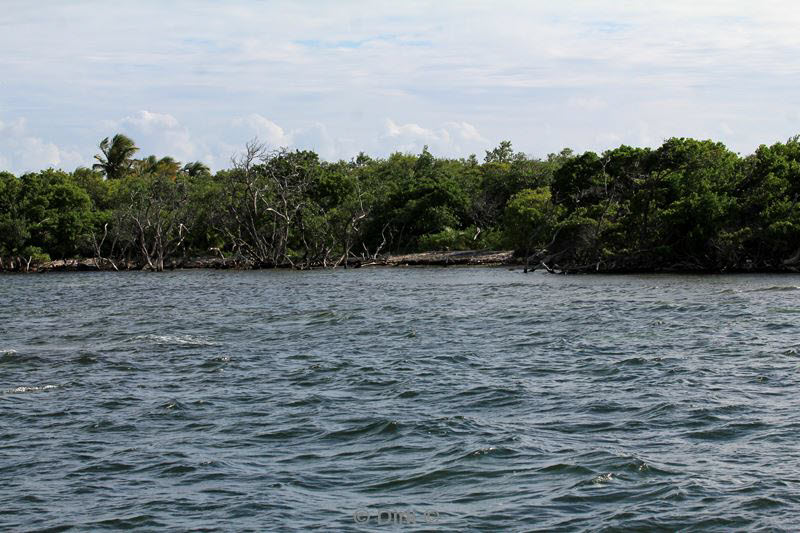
(399, 399)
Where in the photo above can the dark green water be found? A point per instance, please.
(468, 399)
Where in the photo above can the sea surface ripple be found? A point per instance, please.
(466, 398)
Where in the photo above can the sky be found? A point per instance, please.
(197, 79)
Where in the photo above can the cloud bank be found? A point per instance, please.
(197, 79)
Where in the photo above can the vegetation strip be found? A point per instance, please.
(687, 205)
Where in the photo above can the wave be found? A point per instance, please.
(175, 340)
(9, 356)
(490, 452)
(776, 288)
(378, 427)
(24, 389)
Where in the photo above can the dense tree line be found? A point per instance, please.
(687, 205)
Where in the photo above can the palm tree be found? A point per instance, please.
(147, 165)
(116, 158)
(151, 165)
(196, 169)
(168, 166)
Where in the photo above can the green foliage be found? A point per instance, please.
(58, 211)
(100, 191)
(471, 238)
(35, 254)
(502, 154)
(688, 204)
(116, 158)
(14, 228)
(530, 218)
(448, 239)
(423, 196)
(196, 169)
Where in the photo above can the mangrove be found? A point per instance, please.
(688, 205)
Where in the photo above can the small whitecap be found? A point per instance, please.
(603, 478)
(483, 451)
(173, 405)
(24, 389)
(180, 340)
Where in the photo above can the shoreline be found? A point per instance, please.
(469, 258)
(439, 258)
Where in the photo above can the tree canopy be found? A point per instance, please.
(116, 157)
(685, 205)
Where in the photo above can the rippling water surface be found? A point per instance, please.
(400, 399)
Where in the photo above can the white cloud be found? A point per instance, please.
(411, 131)
(161, 134)
(452, 138)
(466, 131)
(21, 151)
(542, 74)
(314, 136)
(266, 130)
(15, 128)
(148, 122)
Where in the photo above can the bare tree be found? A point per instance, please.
(157, 217)
(354, 213)
(266, 193)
